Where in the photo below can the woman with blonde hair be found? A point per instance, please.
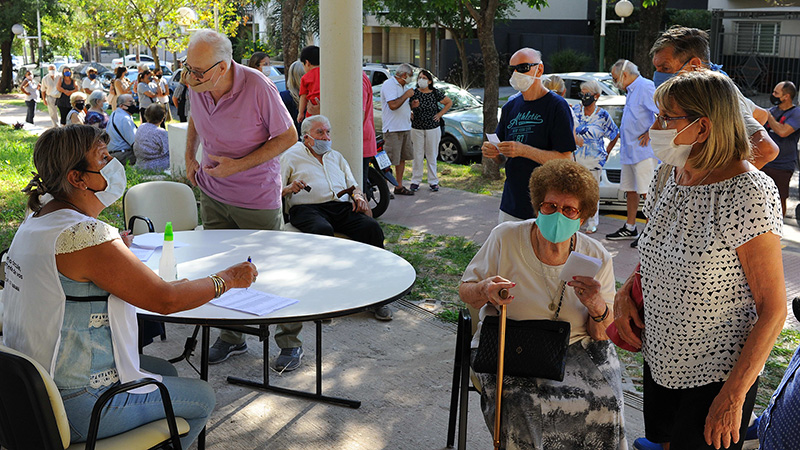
(291, 96)
(711, 269)
(77, 115)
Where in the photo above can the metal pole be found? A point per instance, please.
(602, 56)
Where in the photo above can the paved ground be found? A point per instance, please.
(400, 370)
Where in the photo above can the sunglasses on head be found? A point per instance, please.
(522, 68)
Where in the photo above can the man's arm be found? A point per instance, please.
(129, 130)
(398, 102)
(191, 151)
(271, 149)
(781, 129)
(513, 149)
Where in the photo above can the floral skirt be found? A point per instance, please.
(585, 411)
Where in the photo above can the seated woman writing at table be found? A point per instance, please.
(73, 286)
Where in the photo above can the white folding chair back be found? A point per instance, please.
(161, 202)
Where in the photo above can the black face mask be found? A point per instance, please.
(774, 100)
(587, 99)
(79, 105)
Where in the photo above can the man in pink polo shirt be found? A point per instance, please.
(243, 125)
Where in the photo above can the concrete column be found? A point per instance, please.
(341, 50)
(423, 48)
(385, 45)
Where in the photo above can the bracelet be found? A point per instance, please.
(219, 285)
(601, 317)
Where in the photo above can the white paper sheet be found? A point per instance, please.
(143, 254)
(252, 301)
(580, 265)
(153, 241)
(493, 138)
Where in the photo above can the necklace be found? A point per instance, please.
(72, 206)
(553, 306)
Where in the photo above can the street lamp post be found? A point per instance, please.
(19, 31)
(623, 8)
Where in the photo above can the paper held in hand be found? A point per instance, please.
(580, 265)
(252, 301)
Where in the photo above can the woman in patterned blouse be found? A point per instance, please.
(711, 270)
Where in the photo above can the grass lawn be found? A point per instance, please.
(464, 177)
(438, 260)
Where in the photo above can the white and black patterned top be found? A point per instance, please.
(422, 118)
(698, 308)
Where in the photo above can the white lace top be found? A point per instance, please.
(84, 235)
(698, 308)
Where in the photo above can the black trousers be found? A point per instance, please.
(31, 110)
(64, 110)
(339, 217)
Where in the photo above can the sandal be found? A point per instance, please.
(402, 190)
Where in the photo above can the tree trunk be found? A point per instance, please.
(462, 54)
(154, 51)
(650, 21)
(7, 81)
(291, 23)
(491, 88)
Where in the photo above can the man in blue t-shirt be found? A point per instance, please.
(784, 129)
(534, 128)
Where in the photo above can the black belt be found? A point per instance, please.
(91, 298)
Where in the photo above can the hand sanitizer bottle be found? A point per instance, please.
(167, 267)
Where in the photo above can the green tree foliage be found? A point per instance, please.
(24, 13)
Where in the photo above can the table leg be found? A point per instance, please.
(265, 385)
(205, 342)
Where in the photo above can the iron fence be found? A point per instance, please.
(756, 66)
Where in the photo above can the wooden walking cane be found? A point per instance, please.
(501, 350)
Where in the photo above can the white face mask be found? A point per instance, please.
(665, 148)
(320, 146)
(522, 82)
(422, 83)
(265, 70)
(114, 173)
(52, 72)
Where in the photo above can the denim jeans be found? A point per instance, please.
(192, 399)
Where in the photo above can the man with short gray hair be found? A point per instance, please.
(396, 117)
(50, 93)
(121, 130)
(239, 117)
(638, 160)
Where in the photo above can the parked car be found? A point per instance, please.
(463, 124)
(613, 101)
(130, 62)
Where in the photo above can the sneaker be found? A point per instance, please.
(623, 233)
(381, 312)
(414, 187)
(435, 187)
(644, 444)
(222, 350)
(635, 243)
(289, 359)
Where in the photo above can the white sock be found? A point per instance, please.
(630, 227)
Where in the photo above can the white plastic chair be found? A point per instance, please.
(160, 202)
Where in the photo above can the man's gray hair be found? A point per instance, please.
(223, 51)
(124, 98)
(96, 97)
(404, 68)
(592, 86)
(310, 121)
(49, 66)
(629, 67)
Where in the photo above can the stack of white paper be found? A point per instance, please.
(252, 301)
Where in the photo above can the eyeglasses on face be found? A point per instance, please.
(664, 120)
(522, 67)
(199, 73)
(569, 212)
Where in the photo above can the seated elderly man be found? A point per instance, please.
(321, 193)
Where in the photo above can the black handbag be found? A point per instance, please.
(534, 348)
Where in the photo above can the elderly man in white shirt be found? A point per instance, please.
(322, 194)
(50, 93)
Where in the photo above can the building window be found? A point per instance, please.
(760, 38)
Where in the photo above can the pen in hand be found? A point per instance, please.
(250, 261)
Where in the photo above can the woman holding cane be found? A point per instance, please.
(585, 410)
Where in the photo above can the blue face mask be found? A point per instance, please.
(557, 227)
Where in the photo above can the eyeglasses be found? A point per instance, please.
(521, 68)
(569, 212)
(199, 73)
(663, 120)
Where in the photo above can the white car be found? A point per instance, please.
(130, 61)
(613, 101)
